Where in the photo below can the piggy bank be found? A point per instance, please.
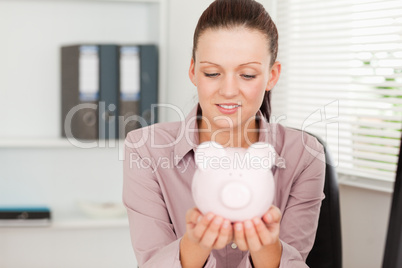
(235, 183)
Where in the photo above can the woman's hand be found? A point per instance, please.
(209, 231)
(203, 233)
(261, 238)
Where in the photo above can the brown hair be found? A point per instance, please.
(246, 13)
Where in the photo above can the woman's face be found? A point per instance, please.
(232, 72)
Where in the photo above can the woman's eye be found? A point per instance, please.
(247, 76)
(211, 74)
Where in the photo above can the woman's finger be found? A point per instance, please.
(225, 235)
(252, 237)
(272, 216)
(239, 236)
(201, 226)
(192, 215)
(212, 232)
(265, 236)
(272, 221)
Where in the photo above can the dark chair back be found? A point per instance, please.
(327, 248)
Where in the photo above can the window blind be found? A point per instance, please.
(342, 79)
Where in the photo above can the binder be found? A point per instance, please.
(149, 82)
(129, 89)
(79, 91)
(108, 92)
(24, 216)
(138, 86)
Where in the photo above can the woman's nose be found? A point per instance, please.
(229, 87)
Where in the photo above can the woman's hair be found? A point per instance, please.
(245, 13)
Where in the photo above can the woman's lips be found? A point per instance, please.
(228, 108)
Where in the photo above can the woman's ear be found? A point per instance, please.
(274, 74)
(191, 72)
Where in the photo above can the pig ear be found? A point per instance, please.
(207, 150)
(263, 150)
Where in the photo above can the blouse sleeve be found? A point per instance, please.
(152, 235)
(300, 217)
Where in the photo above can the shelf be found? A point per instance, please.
(34, 143)
(365, 183)
(74, 220)
(90, 223)
(116, 1)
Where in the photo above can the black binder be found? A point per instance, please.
(109, 89)
(149, 82)
(24, 216)
(79, 91)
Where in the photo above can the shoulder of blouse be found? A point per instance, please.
(154, 139)
(295, 140)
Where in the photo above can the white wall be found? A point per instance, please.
(365, 215)
(183, 17)
(364, 212)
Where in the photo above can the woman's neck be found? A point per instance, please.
(241, 136)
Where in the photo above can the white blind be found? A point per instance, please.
(342, 79)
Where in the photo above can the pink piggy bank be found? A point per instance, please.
(235, 183)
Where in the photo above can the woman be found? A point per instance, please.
(234, 68)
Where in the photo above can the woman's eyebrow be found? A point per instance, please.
(252, 62)
(247, 63)
(208, 62)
